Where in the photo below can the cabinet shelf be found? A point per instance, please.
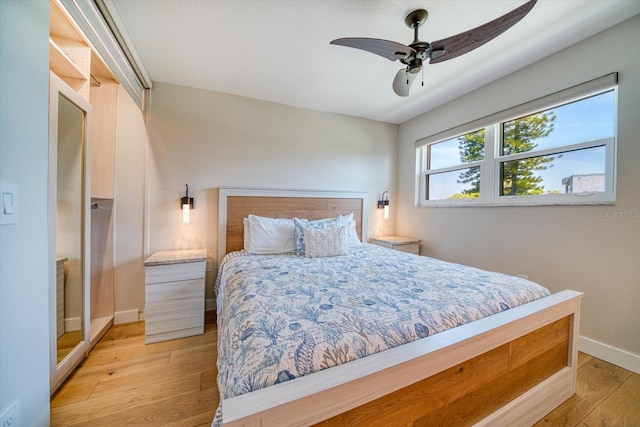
(61, 64)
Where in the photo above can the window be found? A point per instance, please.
(555, 150)
(454, 167)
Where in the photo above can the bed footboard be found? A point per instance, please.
(470, 391)
(511, 368)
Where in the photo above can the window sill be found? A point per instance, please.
(543, 200)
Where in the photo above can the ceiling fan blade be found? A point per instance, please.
(385, 48)
(402, 81)
(465, 42)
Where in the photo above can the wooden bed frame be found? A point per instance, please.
(508, 369)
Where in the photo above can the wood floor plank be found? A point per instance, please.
(596, 381)
(74, 392)
(134, 344)
(176, 410)
(89, 373)
(111, 404)
(621, 408)
(583, 358)
(133, 378)
(209, 379)
(199, 420)
(85, 379)
(143, 385)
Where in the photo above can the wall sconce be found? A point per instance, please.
(383, 203)
(187, 203)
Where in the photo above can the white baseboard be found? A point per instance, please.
(72, 324)
(129, 316)
(610, 354)
(126, 316)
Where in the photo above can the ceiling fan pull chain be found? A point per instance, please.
(422, 70)
(406, 73)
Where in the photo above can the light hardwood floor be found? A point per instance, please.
(124, 382)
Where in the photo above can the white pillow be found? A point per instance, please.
(325, 242)
(247, 233)
(269, 235)
(350, 223)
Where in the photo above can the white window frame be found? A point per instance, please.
(490, 181)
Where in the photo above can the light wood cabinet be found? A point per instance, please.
(174, 294)
(61, 62)
(73, 60)
(70, 54)
(103, 138)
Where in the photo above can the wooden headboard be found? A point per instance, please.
(236, 203)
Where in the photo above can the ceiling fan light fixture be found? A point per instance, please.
(415, 65)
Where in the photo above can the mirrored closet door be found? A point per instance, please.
(69, 229)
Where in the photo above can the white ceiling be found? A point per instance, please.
(279, 51)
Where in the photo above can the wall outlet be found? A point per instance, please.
(208, 265)
(11, 416)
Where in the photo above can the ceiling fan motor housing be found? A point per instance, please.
(422, 52)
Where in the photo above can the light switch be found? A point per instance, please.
(9, 201)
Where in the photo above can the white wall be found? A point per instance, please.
(577, 247)
(24, 290)
(131, 145)
(208, 140)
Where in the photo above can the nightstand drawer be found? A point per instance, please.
(176, 321)
(172, 272)
(173, 296)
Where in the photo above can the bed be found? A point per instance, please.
(508, 362)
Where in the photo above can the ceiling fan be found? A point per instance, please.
(418, 51)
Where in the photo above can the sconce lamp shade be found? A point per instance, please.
(383, 203)
(187, 204)
(185, 213)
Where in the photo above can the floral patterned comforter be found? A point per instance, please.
(285, 316)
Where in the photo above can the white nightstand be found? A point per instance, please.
(174, 294)
(398, 243)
